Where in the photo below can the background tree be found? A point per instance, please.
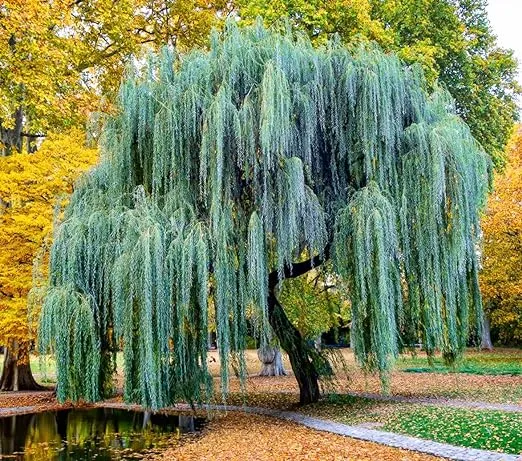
(220, 173)
(61, 60)
(351, 19)
(313, 304)
(501, 278)
(109, 34)
(39, 86)
(451, 39)
(29, 188)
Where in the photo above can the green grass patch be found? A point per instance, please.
(485, 363)
(483, 429)
(349, 409)
(487, 430)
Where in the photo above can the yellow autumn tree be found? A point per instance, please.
(31, 185)
(501, 279)
(58, 57)
(41, 86)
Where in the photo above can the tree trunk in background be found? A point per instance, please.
(11, 138)
(294, 345)
(272, 361)
(486, 342)
(16, 374)
(32, 143)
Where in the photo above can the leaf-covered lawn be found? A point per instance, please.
(484, 429)
(489, 430)
(487, 387)
(246, 437)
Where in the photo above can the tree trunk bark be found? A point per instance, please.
(299, 353)
(11, 138)
(294, 345)
(486, 342)
(16, 374)
(272, 361)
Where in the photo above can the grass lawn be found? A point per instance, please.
(44, 369)
(484, 429)
(497, 363)
(488, 430)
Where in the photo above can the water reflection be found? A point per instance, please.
(100, 433)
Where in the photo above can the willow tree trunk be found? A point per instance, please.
(290, 338)
(294, 345)
(16, 374)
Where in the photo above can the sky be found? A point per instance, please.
(505, 17)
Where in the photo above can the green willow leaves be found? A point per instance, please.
(225, 165)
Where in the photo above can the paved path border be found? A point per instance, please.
(9, 411)
(371, 435)
(456, 403)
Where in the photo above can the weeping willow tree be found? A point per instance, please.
(227, 171)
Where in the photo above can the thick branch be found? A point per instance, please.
(32, 135)
(296, 269)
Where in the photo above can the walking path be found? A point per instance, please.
(508, 407)
(386, 438)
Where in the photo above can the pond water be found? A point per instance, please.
(84, 434)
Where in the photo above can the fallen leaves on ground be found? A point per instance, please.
(241, 437)
(26, 399)
(487, 388)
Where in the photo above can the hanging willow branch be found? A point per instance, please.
(224, 169)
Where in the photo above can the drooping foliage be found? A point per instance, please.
(223, 166)
(452, 40)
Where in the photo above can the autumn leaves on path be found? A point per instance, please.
(263, 438)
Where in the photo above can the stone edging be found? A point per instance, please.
(10, 411)
(406, 442)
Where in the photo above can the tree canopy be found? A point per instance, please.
(451, 39)
(227, 171)
(38, 85)
(90, 42)
(62, 60)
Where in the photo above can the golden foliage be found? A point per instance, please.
(106, 33)
(501, 280)
(59, 56)
(30, 187)
(37, 68)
